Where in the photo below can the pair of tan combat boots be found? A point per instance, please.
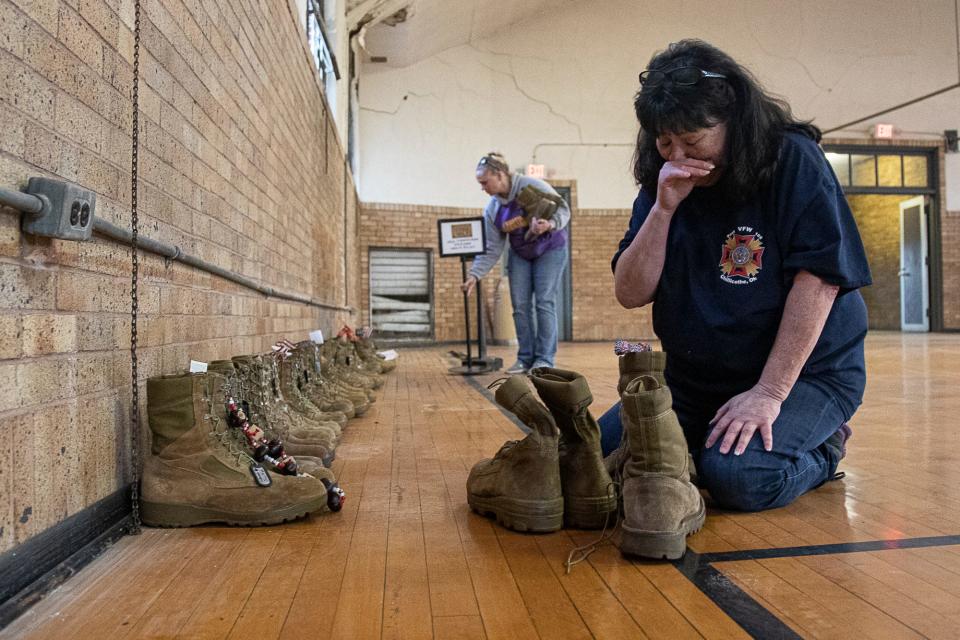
(556, 476)
(224, 441)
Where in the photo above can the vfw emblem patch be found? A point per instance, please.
(742, 256)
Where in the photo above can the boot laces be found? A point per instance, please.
(224, 434)
(580, 553)
(496, 383)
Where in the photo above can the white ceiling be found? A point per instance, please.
(435, 25)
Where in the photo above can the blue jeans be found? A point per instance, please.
(757, 479)
(540, 277)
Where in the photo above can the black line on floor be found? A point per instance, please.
(829, 549)
(753, 617)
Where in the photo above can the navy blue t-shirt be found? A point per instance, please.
(728, 271)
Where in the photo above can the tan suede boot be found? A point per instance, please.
(589, 497)
(304, 442)
(520, 485)
(268, 407)
(196, 473)
(633, 365)
(661, 507)
(309, 381)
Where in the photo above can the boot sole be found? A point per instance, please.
(534, 516)
(660, 545)
(588, 513)
(178, 515)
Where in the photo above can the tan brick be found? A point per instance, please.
(95, 333)
(83, 292)
(43, 148)
(10, 337)
(97, 418)
(76, 121)
(103, 19)
(42, 381)
(26, 287)
(43, 11)
(8, 381)
(25, 90)
(20, 430)
(6, 491)
(54, 427)
(13, 25)
(9, 233)
(93, 372)
(80, 39)
(48, 333)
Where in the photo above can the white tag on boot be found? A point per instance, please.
(198, 367)
(317, 336)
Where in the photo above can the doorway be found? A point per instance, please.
(565, 297)
(893, 194)
(914, 278)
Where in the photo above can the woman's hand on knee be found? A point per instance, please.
(742, 416)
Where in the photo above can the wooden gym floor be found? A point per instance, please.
(876, 555)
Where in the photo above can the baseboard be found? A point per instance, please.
(31, 570)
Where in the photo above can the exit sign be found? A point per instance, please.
(537, 170)
(883, 131)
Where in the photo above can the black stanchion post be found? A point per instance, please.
(466, 309)
(466, 238)
(481, 334)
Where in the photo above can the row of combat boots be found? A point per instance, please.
(224, 441)
(555, 477)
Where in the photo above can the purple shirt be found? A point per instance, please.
(508, 220)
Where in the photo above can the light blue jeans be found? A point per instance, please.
(802, 459)
(541, 278)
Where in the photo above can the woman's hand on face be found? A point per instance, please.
(677, 179)
(741, 416)
(469, 284)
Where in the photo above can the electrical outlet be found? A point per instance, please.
(67, 212)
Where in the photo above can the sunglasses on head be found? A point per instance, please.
(683, 76)
(491, 163)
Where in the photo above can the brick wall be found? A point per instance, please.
(594, 237)
(384, 226)
(950, 233)
(597, 315)
(240, 165)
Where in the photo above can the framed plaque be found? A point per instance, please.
(463, 237)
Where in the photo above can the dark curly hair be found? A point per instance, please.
(756, 121)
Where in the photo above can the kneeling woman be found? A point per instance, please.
(743, 241)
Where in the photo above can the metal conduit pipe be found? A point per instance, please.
(31, 204)
(21, 201)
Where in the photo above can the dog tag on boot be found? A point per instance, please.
(260, 475)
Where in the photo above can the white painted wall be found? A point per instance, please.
(568, 76)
